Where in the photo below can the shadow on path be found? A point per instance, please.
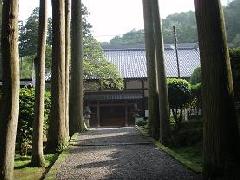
(119, 154)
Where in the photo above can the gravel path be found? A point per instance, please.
(119, 154)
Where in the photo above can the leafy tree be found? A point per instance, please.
(95, 65)
(132, 37)
(185, 24)
(221, 134)
(92, 50)
(232, 14)
(29, 35)
(10, 99)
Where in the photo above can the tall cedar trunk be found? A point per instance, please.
(67, 60)
(76, 83)
(37, 141)
(161, 76)
(150, 55)
(221, 138)
(10, 98)
(57, 132)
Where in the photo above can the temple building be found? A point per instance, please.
(118, 108)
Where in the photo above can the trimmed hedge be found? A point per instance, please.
(179, 97)
(179, 93)
(196, 76)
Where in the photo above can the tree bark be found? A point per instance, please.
(221, 136)
(57, 130)
(10, 99)
(67, 60)
(153, 119)
(161, 75)
(76, 83)
(37, 140)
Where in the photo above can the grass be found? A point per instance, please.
(24, 171)
(189, 156)
(51, 175)
(193, 154)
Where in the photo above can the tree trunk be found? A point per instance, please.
(161, 76)
(57, 130)
(221, 136)
(67, 60)
(150, 55)
(76, 83)
(37, 140)
(10, 99)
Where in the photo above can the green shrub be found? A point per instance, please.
(196, 76)
(190, 133)
(26, 117)
(141, 122)
(179, 96)
(179, 93)
(235, 64)
(196, 101)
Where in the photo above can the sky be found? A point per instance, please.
(115, 17)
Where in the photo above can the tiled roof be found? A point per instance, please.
(131, 63)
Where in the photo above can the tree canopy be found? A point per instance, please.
(95, 64)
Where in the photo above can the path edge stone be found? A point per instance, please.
(186, 163)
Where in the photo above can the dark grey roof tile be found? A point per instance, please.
(132, 63)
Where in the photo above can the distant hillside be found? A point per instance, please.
(186, 29)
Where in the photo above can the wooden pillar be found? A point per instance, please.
(98, 114)
(126, 113)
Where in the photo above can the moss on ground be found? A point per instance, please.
(24, 171)
(189, 156)
(51, 174)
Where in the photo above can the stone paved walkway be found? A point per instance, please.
(119, 154)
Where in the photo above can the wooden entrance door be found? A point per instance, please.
(112, 116)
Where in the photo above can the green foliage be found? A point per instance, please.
(235, 64)
(132, 37)
(141, 122)
(179, 92)
(26, 117)
(232, 15)
(26, 67)
(179, 96)
(196, 76)
(28, 35)
(24, 171)
(196, 96)
(185, 24)
(188, 134)
(95, 64)
(26, 64)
